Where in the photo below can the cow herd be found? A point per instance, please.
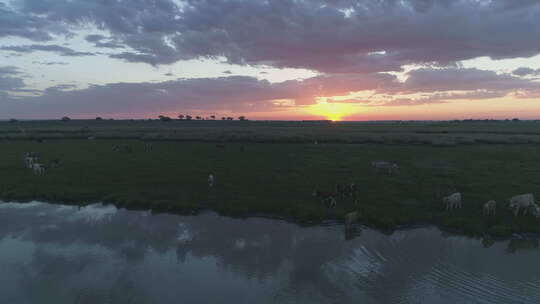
(31, 161)
(329, 198)
(520, 204)
(125, 148)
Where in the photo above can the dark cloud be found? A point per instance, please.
(456, 79)
(524, 71)
(331, 36)
(61, 50)
(103, 42)
(8, 70)
(233, 93)
(20, 24)
(9, 80)
(94, 38)
(137, 57)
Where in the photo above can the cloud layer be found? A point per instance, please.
(244, 94)
(323, 35)
(353, 45)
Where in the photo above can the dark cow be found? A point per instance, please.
(328, 198)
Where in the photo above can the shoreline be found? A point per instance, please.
(257, 174)
(289, 219)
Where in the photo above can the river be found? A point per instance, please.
(101, 254)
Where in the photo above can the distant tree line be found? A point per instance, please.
(168, 118)
(189, 117)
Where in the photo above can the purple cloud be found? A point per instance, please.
(329, 36)
(524, 71)
(9, 80)
(455, 79)
(248, 94)
(63, 51)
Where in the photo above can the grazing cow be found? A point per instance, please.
(55, 163)
(452, 201)
(331, 201)
(346, 190)
(31, 154)
(340, 189)
(38, 169)
(353, 190)
(29, 161)
(387, 166)
(122, 148)
(326, 197)
(211, 180)
(535, 209)
(490, 207)
(522, 201)
(350, 218)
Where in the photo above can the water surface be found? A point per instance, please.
(101, 254)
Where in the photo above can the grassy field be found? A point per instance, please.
(273, 168)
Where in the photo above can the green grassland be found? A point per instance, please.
(273, 167)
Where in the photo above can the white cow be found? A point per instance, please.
(332, 201)
(350, 218)
(452, 201)
(389, 167)
(38, 169)
(535, 210)
(522, 201)
(29, 161)
(490, 207)
(211, 180)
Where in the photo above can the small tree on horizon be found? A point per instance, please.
(164, 118)
(65, 119)
(188, 117)
(180, 116)
(242, 118)
(213, 117)
(223, 118)
(99, 118)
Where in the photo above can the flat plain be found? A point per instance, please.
(272, 168)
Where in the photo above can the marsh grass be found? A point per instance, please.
(273, 168)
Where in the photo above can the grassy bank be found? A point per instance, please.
(276, 176)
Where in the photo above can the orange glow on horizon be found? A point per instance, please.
(333, 111)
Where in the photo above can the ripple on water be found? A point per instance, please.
(58, 252)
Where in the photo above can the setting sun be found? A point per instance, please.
(333, 111)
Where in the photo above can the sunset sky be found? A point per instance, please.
(270, 59)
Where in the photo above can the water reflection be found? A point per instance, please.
(100, 254)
